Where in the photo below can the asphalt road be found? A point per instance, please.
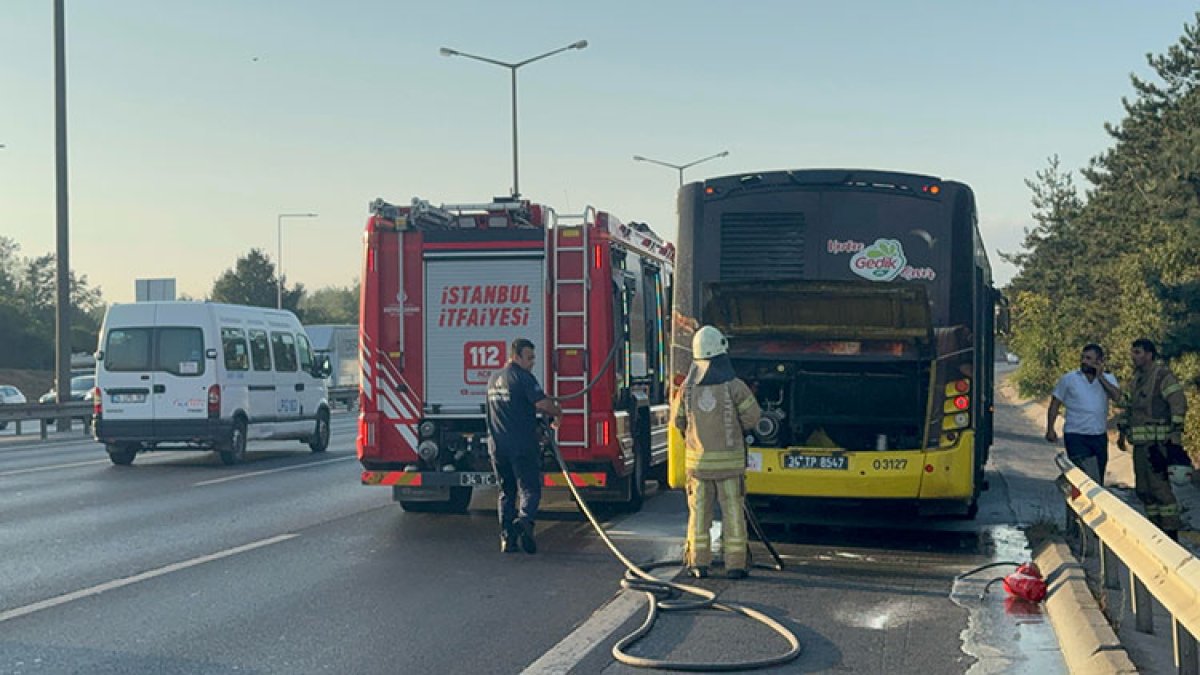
(285, 564)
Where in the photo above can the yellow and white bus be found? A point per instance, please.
(859, 308)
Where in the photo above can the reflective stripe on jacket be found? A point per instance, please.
(714, 419)
(1156, 405)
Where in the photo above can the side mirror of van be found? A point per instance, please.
(322, 367)
(99, 356)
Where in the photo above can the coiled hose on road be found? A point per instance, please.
(665, 595)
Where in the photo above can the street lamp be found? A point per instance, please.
(680, 167)
(279, 253)
(446, 51)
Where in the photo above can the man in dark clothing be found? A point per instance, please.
(514, 398)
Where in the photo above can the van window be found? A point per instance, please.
(181, 351)
(233, 344)
(128, 349)
(284, 347)
(260, 350)
(305, 353)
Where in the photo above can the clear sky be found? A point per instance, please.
(193, 124)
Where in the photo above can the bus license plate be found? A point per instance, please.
(816, 462)
(477, 478)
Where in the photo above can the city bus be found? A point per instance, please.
(859, 308)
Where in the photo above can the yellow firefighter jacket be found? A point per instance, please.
(1155, 406)
(714, 419)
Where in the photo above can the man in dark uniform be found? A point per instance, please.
(514, 398)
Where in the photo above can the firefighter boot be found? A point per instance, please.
(524, 530)
(508, 539)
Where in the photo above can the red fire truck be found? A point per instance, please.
(445, 290)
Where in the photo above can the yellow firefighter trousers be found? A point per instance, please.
(731, 493)
(1154, 487)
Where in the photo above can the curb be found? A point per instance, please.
(1088, 642)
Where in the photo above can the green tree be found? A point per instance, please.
(1137, 235)
(252, 281)
(332, 304)
(28, 307)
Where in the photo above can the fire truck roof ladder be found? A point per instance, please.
(570, 247)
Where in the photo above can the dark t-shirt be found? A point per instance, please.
(511, 416)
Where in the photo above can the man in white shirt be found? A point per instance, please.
(1085, 393)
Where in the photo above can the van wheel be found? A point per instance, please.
(235, 448)
(121, 455)
(319, 441)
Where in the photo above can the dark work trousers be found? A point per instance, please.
(1081, 446)
(520, 478)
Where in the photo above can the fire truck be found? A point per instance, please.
(446, 289)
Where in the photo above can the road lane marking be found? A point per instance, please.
(17, 472)
(127, 581)
(568, 653)
(252, 474)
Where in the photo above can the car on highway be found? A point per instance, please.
(1012, 358)
(81, 390)
(10, 395)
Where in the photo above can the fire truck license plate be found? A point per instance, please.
(477, 478)
(816, 462)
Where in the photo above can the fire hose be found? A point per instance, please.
(663, 595)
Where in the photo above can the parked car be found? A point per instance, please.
(1012, 358)
(10, 395)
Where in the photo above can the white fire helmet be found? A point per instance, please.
(708, 343)
(1180, 474)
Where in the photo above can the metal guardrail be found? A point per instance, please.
(1159, 568)
(45, 414)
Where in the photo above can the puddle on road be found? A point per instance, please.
(1005, 635)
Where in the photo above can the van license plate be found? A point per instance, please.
(835, 462)
(128, 398)
(477, 478)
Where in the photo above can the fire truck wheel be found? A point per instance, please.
(234, 450)
(121, 455)
(319, 441)
(460, 499)
(637, 486)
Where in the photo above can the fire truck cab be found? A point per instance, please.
(445, 291)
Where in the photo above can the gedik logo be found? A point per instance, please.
(882, 261)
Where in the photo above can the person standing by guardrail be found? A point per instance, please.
(1155, 412)
(1085, 393)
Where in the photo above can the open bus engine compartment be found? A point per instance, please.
(845, 402)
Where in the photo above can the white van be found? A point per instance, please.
(206, 375)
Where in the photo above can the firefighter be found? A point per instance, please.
(1155, 407)
(514, 398)
(714, 410)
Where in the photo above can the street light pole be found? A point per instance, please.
(446, 51)
(62, 256)
(680, 167)
(279, 253)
